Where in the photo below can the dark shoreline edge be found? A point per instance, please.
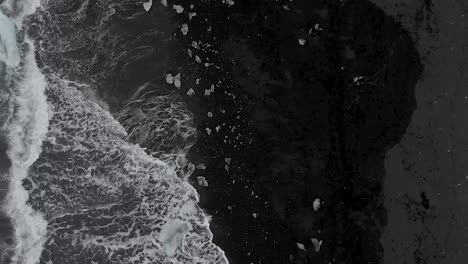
(281, 157)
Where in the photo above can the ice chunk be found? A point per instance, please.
(227, 160)
(184, 29)
(191, 15)
(190, 92)
(302, 41)
(316, 244)
(169, 78)
(210, 115)
(300, 246)
(254, 215)
(147, 5)
(177, 83)
(202, 181)
(164, 2)
(317, 203)
(172, 234)
(178, 8)
(201, 166)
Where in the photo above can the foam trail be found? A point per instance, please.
(26, 130)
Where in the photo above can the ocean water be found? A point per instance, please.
(78, 190)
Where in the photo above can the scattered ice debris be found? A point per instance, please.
(147, 5)
(184, 29)
(301, 246)
(302, 41)
(177, 83)
(191, 15)
(178, 8)
(190, 92)
(197, 59)
(164, 2)
(317, 203)
(208, 131)
(210, 115)
(169, 78)
(228, 160)
(317, 243)
(201, 166)
(254, 215)
(226, 167)
(202, 181)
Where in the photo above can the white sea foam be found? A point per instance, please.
(26, 129)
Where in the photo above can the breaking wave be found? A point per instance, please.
(25, 123)
(79, 191)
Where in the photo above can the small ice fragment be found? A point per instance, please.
(208, 131)
(285, 7)
(169, 78)
(177, 83)
(218, 128)
(228, 161)
(210, 115)
(201, 166)
(197, 59)
(184, 29)
(212, 88)
(191, 15)
(207, 92)
(190, 53)
(229, 207)
(316, 244)
(202, 181)
(300, 246)
(192, 6)
(254, 215)
(317, 26)
(147, 5)
(178, 8)
(317, 204)
(197, 81)
(195, 44)
(164, 2)
(190, 92)
(302, 41)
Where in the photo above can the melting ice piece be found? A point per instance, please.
(300, 246)
(169, 78)
(191, 15)
(178, 8)
(317, 243)
(202, 181)
(172, 234)
(302, 41)
(177, 81)
(201, 166)
(254, 215)
(184, 29)
(317, 203)
(190, 92)
(147, 5)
